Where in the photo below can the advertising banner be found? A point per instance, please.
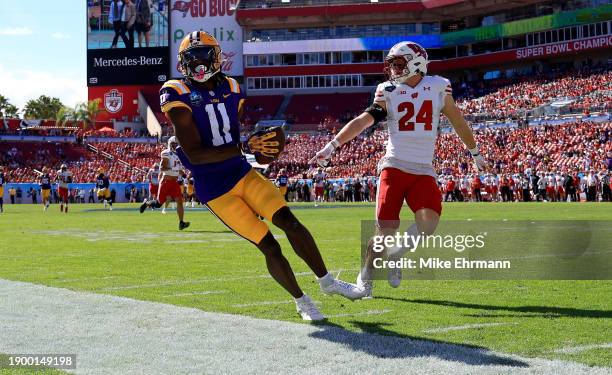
(333, 45)
(79, 192)
(216, 17)
(127, 42)
(553, 21)
(564, 47)
(121, 102)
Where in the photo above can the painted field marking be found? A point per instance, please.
(126, 336)
(582, 348)
(368, 312)
(465, 326)
(85, 279)
(267, 303)
(204, 280)
(202, 293)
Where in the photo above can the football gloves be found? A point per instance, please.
(266, 145)
(481, 163)
(322, 157)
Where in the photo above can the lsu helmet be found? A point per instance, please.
(62, 167)
(199, 56)
(172, 143)
(404, 60)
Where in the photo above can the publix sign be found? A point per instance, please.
(216, 17)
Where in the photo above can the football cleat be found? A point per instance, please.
(183, 225)
(366, 285)
(143, 206)
(347, 290)
(307, 309)
(394, 277)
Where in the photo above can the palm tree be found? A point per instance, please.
(64, 115)
(88, 112)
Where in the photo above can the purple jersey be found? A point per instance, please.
(215, 114)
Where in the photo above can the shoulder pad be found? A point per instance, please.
(177, 85)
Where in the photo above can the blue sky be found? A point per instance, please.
(42, 50)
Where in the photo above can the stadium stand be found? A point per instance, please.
(261, 108)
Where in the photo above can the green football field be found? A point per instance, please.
(145, 257)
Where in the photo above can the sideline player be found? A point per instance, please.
(103, 185)
(45, 188)
(2, 182)
(412, 102)
(191, 198)
(64, 177)
(153, 179)
(319, 185)
(169, 186)
(282, 180)
(204, 109)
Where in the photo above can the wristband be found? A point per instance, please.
(474, 151)
(335, 143)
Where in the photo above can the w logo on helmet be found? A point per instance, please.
(418, 50)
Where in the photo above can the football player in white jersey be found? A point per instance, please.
(411, 102)
(169, 187)
(64, 177)
(153, 179)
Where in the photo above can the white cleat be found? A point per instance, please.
(347, 290)
(394, 276)
(163, 211)
(307, 309)
(366, 285)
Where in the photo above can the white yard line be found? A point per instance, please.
(268, 303)
(116, 335)
(202, 293)
(369, 312)
(85, 279)
(582, 348)
(204, 280)
(466, 326)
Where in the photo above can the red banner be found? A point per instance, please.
(120, 102)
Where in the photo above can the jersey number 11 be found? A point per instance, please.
(217, 139)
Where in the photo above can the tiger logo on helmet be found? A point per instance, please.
(199, 56)
(404, 60)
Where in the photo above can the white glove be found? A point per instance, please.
(322, 157)
(480, 162)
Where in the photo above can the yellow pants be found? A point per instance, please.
(238, 208)
(46, 194)
(104, 193)
(283, 190)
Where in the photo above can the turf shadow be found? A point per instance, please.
(380, 342)
(541, 310)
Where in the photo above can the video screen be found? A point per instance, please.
(127, 24)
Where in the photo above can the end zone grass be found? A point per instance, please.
(208, 267)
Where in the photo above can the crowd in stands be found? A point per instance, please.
(509, 98)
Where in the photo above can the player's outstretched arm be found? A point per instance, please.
(463, 130)
(352, 129)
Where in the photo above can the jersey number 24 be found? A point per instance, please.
(424, 116)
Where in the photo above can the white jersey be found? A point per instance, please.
(174, 164)
(413, 115)
(153, 176)
(64, 177)
(320, 179)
